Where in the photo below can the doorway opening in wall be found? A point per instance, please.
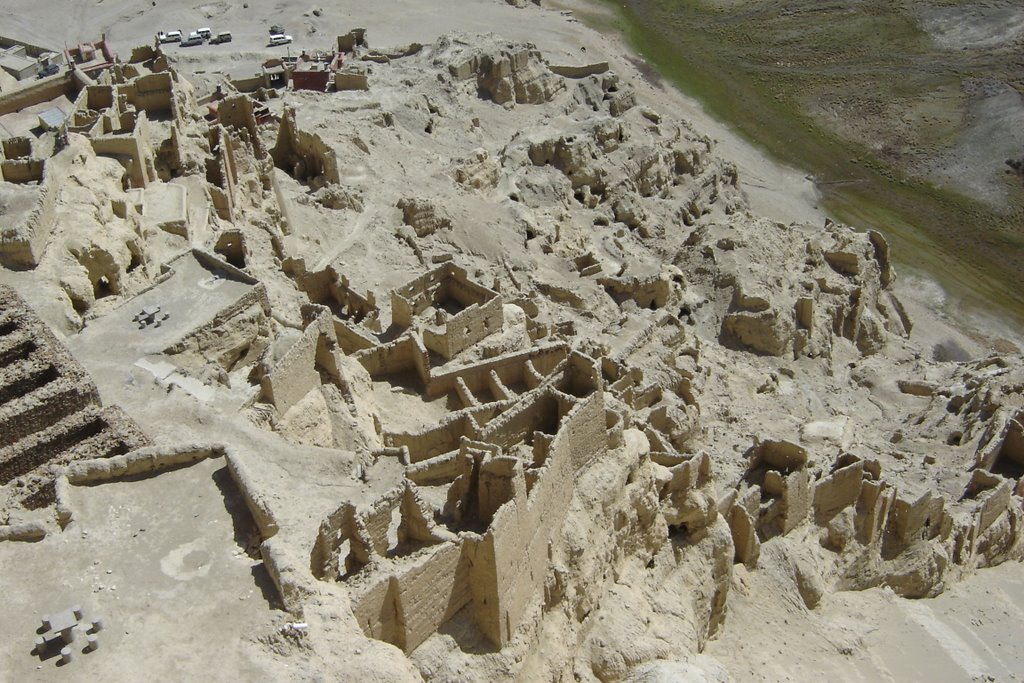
(102, 288)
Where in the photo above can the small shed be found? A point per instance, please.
(52, 119)
(15, 62)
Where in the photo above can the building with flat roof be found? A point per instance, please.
(16, 62)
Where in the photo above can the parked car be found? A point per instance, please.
(222, 37)
(193, 39)
(169, 37)
(205, 33)
(280, 39)
(48, 70)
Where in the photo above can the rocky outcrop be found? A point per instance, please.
(835, 284)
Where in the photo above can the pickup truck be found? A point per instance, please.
(222, 37)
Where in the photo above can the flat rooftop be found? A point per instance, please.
(16, 63)
(191, 297)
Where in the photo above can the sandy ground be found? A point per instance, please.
(146, 556)
(185, 531)
(965, 634)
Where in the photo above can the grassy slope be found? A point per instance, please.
(754, 68)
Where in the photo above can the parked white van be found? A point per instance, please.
(193, 39)
(169, 37)
(280, 39)
(205, 33)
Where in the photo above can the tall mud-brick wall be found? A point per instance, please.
(50, 411)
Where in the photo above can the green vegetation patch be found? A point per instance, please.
(858, 95)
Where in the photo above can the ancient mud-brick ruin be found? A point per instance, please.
(50, 410)
(543, 379)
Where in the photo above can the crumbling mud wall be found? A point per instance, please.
(222, 173)
(404, 355)
(356, 317)
(304, 155)
(17, 162)
(116, 119)
(506, 72)
(502, 377)
(298, 372)
(236, 112)
(37, 93)
(130, 146)
(22, 170)
(845, 292)
(152, 93)
(237, 335)
(426, 587)
(50, 412)
(330, 288)
(464, 312)
(585, 447)
(513, 556)
(403, 594)
(25, 237)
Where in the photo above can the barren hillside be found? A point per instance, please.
(415, 350)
